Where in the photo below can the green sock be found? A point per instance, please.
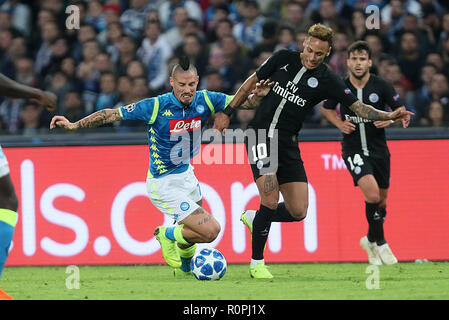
(178, 235)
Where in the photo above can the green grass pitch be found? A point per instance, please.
(308, 281)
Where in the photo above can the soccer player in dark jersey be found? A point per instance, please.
(8, 198)
(364, 146)
(301, 82)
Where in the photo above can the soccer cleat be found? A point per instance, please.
(247, 218)
(386, 255)
(372, 251)
(4, 295)
(260, 271)
(168, 247)
(178, 273)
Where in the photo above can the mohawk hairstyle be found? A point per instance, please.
(183, 64)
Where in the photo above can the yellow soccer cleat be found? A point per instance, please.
(168, 247)
(260, 271)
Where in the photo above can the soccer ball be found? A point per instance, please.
(208, 264)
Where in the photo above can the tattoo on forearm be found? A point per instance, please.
(98, 118)
(368, 112)
(269, 183)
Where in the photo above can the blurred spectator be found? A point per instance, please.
(167, 9)
(85, 33)
(444, 34)
(89, 75)
(10, 113)
(135, 69)
(395, 75)
(235, 56)
(300, 38)
(140, 88)
(127, 52)
(427, 72)
(425, 36)
(59, 50)
(285, 38)
(337, 61)
(107, 97)
(376, 45)
(328, 15)
(68, 66)
(438, 91)
(6, 61)
(174, 34)
(410, 58)
(111, 13)
(103, 63)
(436, 59)
(217, 10)
(50, 32)
(58, 83)
(294, 15)
(154, 53)
(358, 24)
(221, 29)
(20, 14)
(114, 35)
(95, 16)
(125, 91)
(73, 107)
(249, 30)
(31, 122)
(391, 16)
(269, 38)
(217, 60)
(436, 115)
(25, 73)
(212, 81)
(244, 117)
(133, 19)
(196, 51)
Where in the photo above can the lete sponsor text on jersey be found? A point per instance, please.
(185, 125)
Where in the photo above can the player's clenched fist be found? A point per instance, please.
(62, 122)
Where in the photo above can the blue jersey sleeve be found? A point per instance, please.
(219, 100)
(143, 110)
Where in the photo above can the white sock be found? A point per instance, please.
(256, 262)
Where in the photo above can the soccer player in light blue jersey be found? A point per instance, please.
(174, 137)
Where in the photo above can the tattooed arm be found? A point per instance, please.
(371, 113)
(254, 99)
(94, 120)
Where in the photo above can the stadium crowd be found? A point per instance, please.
(123, 50)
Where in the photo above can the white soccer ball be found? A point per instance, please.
(208, 264)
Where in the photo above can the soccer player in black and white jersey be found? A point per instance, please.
(301, 81)
(364, 146)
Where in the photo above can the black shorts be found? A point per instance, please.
(360, 165)
(279, 155)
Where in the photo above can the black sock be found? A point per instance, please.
(282, 215)
(375, 222)
(383, 213)
(261, 228)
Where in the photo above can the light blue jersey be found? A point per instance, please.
(174, 130)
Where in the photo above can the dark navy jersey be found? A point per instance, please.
(296, 91)
(367, 139)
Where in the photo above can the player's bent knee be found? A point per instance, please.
(212, 233)
(299, 214)
(372, 197)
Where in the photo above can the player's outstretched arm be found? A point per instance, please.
(13, 89)
(345, 126)
(221, 121)
(94, 120)
(370, 113)
(254, 99)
